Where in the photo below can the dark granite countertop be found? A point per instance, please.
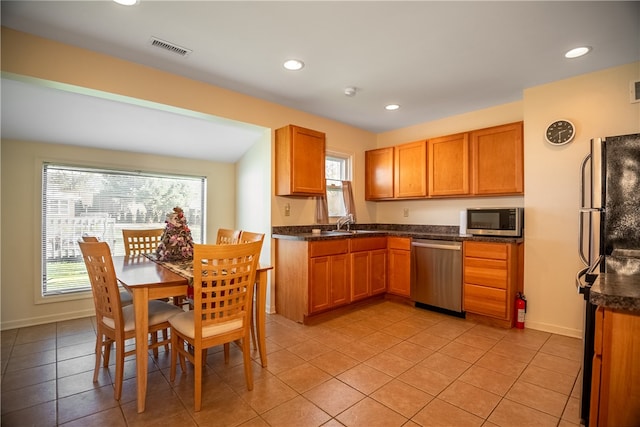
(432, 232)
(617, 291)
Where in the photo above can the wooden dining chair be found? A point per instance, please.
(125, 296)
(249, 236)
(246, 237)
(141, 241)
(115, 323)
(227, 236)
(145, 241)
(223, 281)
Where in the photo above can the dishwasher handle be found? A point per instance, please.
(451, 247)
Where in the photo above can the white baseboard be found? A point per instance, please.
(58, 317)
(545, 327)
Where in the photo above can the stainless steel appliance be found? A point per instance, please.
(508, 222)
(609, 239)
(436, 275)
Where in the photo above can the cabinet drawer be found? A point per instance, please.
(328, 247)
(486, 301)
(486, 250)
(402, 243)
(487, 272)
(368, 244)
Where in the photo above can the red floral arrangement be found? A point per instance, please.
(176, 242)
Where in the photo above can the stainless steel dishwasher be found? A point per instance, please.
(436, 275)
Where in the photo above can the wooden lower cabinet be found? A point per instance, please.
(329, 269)
(399, 266)
(368, 267)
(311, 277)
(615, 381)
(493, 274)
(328, 282)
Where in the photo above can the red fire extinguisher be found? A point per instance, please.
(521, 309)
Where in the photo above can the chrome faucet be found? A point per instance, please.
(345, 220)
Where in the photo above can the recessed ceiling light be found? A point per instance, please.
(391, 107)
(578, 51)
(127, 2)
(293, 64)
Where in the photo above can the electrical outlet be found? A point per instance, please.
(405, 212)
(287, 209)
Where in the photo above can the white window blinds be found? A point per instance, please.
(101, 202)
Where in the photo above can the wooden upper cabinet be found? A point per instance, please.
(410, 170)
(378, 172)
(497, 160)
(300, 156)
(448, 165)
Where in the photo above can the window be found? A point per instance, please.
(101, 203)
(337, 169)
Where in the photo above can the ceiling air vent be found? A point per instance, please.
(173, 48)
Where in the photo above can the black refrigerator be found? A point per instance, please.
(609, 224)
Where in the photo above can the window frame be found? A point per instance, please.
(348, 168)
(40, 296)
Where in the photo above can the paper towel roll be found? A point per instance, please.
(463, 222)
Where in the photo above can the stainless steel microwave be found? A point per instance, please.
(506, 222)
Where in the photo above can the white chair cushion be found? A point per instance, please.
(185, 324)
(159, 312)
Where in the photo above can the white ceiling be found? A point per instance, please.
(435, 59)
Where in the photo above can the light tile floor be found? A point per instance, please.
(384, 364)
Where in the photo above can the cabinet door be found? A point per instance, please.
(448, 158)
(619, 391)
(378, 272)
(486, 272)
(497, 160)
(340, 283)
(359, 275)
(378, 171)
(485, 300)
(491, 273)
(400, 272)
(410, 170)
(319, 284)
(300, 156)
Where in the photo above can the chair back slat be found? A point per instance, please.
(223, 279)
(104, 285)
(227, 236)
(249, 236)
(144, 241)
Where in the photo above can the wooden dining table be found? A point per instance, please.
(147, 280)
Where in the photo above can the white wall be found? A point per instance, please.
(598, 105)
(253, 208)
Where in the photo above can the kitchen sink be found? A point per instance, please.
(347, 232)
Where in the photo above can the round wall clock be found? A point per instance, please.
(560, 132)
